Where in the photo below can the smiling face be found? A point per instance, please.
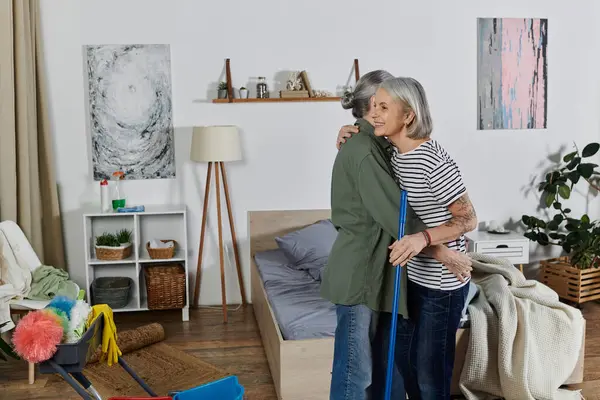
(389, 116)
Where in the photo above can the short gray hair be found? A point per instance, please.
(411, 94)
(359, 99)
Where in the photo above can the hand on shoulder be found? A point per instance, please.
(346, 131)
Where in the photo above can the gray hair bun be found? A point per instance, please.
(348, 100)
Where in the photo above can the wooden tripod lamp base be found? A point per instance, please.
(215, 145)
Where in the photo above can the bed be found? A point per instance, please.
(295, 324)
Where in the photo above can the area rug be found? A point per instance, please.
(163, 367)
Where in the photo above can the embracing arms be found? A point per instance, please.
(380, 195)
(446, 186)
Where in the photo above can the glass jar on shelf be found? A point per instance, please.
(262, 91)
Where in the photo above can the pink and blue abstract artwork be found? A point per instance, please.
(512, 73)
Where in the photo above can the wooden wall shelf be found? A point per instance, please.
(230, 98)
(279, 100)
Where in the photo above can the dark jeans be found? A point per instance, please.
(425, 343)
(359, 357)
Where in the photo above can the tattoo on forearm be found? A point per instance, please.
(466, 214)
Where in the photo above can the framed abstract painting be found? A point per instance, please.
(130, 110)
(512, 73)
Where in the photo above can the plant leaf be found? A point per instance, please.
(553, 225)
(585, 219)
(569, 156)
(590, 150)
(574, 176)
(564, 191)
(530, 235)
(543, 239)
(526, 219)
(586, 170)
(550, 197)
(574, 163)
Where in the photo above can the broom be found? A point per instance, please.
(397, 281)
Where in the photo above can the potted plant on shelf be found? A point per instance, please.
(243, 93)
(576, 276)
(222, 90)
(110, 246)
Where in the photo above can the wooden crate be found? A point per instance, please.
(577, 285)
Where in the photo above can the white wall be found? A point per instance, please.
(289, 148)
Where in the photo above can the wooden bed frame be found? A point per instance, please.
(301, 369)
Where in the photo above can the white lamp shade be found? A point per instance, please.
(215, 143)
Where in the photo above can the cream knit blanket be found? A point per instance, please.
(16, 281)
(524, 342)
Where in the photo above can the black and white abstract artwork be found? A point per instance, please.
(130, 106)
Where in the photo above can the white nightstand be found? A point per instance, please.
(510, 246)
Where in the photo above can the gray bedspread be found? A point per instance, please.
(295, 299)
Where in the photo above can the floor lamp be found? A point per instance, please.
(217, 145)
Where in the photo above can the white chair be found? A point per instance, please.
(25, 254)
(12, 234)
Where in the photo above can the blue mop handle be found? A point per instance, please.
(391, 350)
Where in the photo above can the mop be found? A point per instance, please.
(397, 281)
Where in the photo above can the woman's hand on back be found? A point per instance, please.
(345, 132)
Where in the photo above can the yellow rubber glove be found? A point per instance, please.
(110, 350)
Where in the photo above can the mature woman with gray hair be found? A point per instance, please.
(358, 277)
(436, 192)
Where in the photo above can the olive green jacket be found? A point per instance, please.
(365, 205)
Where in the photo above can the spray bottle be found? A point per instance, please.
(105, 205)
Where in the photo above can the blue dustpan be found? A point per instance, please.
(223, 389)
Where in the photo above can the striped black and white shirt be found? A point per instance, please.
(433, 182)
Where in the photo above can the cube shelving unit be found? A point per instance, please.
(156, 222)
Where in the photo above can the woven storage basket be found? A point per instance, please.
(113, 253)
(114, 291)
(165, 286)
(162, 253)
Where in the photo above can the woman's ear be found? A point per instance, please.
(410, 117)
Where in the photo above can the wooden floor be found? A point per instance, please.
(236, 348)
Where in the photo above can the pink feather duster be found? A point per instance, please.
(37, 335)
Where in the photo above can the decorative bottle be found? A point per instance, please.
(262, 91)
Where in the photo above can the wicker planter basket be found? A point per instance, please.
(162, 253)
(109, 253)
(165, 286)
(573, 284)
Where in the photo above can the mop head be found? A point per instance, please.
(37, 335)
(79, 315)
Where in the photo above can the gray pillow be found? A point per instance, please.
(309, 245)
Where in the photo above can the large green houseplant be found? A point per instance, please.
(579, 237)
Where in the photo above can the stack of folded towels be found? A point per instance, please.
(157, 244)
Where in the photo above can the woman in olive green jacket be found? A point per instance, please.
(358, 277)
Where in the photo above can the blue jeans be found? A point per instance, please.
(425, 343)
(357, 359)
